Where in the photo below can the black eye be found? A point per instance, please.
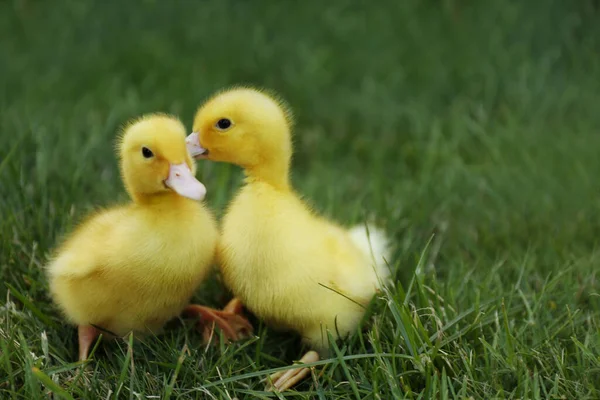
(147, 153)
(223, 124)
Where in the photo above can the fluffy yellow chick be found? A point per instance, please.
(291, 267)
(134, 267)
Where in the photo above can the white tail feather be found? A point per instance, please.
(375, 244)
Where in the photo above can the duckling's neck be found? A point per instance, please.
(272, 173)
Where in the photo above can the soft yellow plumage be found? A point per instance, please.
(284, 262)
(134, 267)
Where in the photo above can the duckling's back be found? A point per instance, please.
(132, 268)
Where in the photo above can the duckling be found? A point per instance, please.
(291, 267)
(132, 268)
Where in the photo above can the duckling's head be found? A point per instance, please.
(155, 160)
(243, 126)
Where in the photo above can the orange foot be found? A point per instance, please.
(230, 321)
(281, 381)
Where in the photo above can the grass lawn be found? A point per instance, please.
(469, 130)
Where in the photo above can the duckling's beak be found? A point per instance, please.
(193, 145)
(182, 181)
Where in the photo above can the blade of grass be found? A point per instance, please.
(126, 366)
(340, 358)
(8, 366)
(510, 346)
(171, 385)
(11, 152)
(49, 383)
(29, 305)
(307, 365)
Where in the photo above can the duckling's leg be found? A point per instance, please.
(281, 381)
(87, 335)
(230, 320)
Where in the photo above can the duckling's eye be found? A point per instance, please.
(223, 124)
(147, 153)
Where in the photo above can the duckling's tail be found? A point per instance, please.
(375, 244)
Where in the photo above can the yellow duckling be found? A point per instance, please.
(292, 268)
(133, 268)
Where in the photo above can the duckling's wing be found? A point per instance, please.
(85, 251)
(72, 265)
(354, 272)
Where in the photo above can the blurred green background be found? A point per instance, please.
(474, 122)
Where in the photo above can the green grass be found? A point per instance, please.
(470, 130)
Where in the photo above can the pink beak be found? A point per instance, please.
(182, 181)
(193, 145)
